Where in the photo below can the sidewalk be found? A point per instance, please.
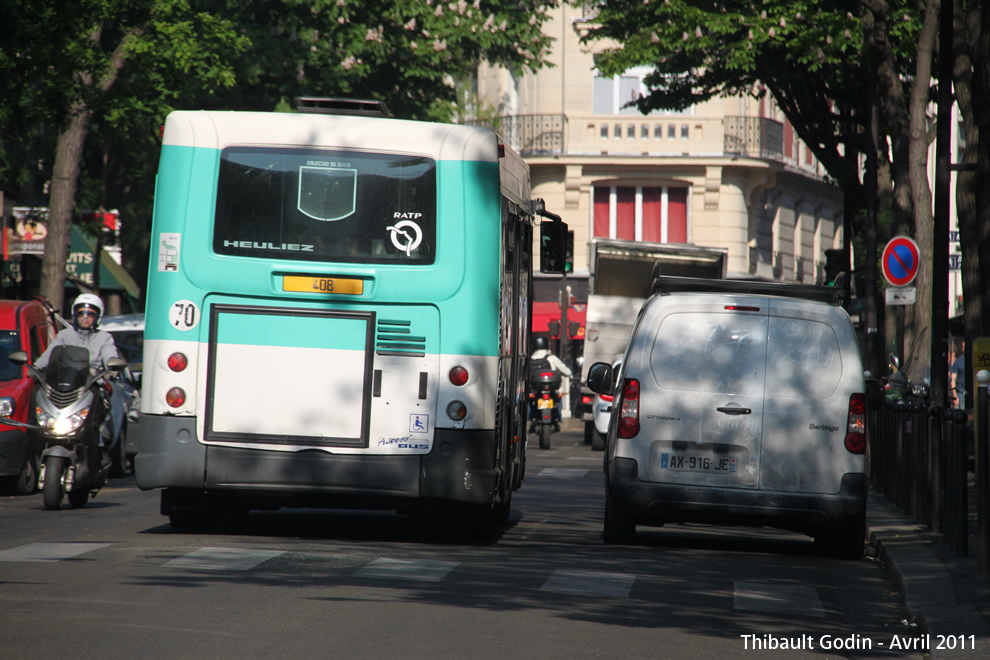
(946, 595)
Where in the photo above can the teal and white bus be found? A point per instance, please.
(337, 315)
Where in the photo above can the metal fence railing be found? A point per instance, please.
(921, 459)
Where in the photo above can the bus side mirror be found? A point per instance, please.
(553, 247)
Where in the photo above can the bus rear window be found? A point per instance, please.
(323, 205)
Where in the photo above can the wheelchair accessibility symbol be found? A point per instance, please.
(419, 423)
(406, 236)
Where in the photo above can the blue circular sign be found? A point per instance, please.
(901, 259)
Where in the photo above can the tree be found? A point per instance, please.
(118, 65)
(808, 54)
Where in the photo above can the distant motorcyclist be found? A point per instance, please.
(542, 352)
(87, 311)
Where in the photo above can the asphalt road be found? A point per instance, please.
(113, 580)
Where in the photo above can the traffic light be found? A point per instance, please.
(569, 256)
(835, 263)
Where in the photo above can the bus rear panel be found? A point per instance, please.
(336, 316)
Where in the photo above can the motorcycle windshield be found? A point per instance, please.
(68, 368)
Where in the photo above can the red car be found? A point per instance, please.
(29, 327)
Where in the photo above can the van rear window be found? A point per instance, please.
(804, 359)
(717, 353)
(323, 205)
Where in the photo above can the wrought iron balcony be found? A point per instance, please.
(636, 135)
(756, 137)
(530, 135)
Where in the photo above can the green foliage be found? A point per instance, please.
(56, 58)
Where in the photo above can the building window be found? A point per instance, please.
(610, 93)
(656, 214)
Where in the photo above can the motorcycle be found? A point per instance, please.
(79, 419)
(544, 400)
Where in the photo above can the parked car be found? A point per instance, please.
(27, 326)
(601, 410)
(741, 403)
(128, 335)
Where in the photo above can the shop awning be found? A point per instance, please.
(545, 312)
(79, 268)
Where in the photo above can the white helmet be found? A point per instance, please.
(88, 301)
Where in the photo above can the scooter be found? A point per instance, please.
(544, 400)
(79, 426)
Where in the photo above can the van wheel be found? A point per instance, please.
(844, 542)
(598, 442)
(620, 527)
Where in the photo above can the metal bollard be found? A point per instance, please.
(957, 484)
(982, 441)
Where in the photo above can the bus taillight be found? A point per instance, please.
(458, 376)
(175, 397)
(177, 362)
(456, 410)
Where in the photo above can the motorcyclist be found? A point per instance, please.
(542, 351)
(87, 311)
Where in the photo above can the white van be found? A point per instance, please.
(739, 403)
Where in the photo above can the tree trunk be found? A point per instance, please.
(921, 192)
(62, 203)
(65, 176)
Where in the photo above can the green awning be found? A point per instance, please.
(79, 267)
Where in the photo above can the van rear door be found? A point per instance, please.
(704, 411)
(813, 366)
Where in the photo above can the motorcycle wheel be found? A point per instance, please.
(78, 498)
(545, 436)
(52, 490)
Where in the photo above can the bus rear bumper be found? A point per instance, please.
(459, 469)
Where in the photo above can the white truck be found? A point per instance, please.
(620, 282)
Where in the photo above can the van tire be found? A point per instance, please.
(843, 542)
(620, 527)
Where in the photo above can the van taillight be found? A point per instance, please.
(607, 397)
(856, 424)
(629, 411)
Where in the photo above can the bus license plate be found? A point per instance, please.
(338, 285)
(686, 463)
(544, 403)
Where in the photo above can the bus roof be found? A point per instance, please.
(218, 130)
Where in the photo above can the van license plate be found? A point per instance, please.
(687, 463)
(544, 403)
(337, 285)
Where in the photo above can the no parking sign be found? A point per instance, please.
(900, 261)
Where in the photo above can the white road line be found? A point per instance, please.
(223, 559)
(778, 599)
(399, 569)
(590, 583)
(563, 473)
(49, 551)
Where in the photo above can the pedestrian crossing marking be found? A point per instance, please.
(778, 599)
(420, 570)
(563, 473)
(223, 559)
(590, 583)
(49, 551)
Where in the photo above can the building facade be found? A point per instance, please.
(729, 173)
